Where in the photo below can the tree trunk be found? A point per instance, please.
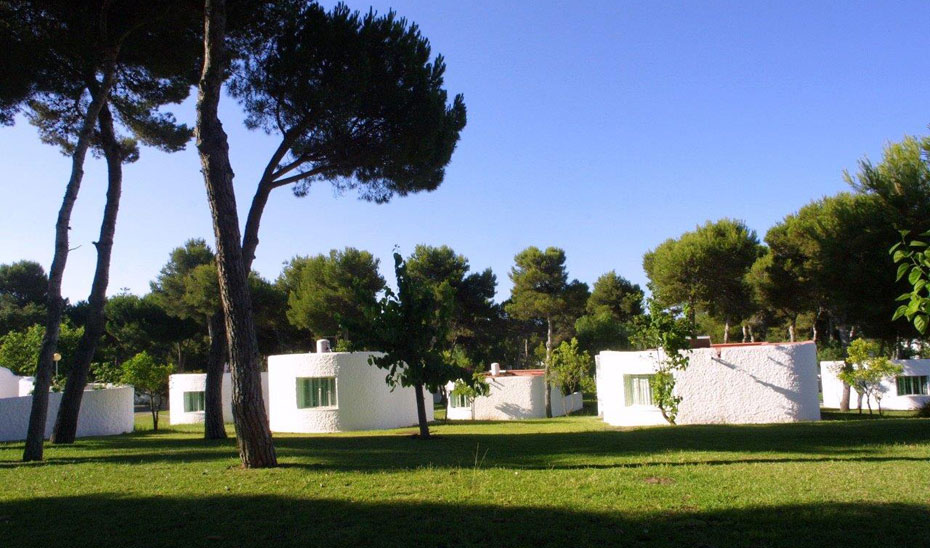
(39, 412)
(66, 422)
(153, 407)
(547, 398)
(421, 411)
(726, 330)
(844, 399)
(253, 437)
(213, 425)
(791, 331)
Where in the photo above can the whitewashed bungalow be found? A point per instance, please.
(336, 392)
(186, 397)
(311, 393)
(104, 411)
(731, 384)
(514, 394)
(907, 390)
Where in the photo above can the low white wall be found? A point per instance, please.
(744, 384)
(103, 413)
(833, 387)
(363, 400)
(196, 382)
(9, 383)
(514, 396)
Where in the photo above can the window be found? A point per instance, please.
(316, 392)
(638, 389)
(459, 400)
(193, 401)
(912, 385)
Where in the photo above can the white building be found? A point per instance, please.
(514, 394)
(732, 384)
(186, 397)
(336, 392)
(908, 390)
(104, 412)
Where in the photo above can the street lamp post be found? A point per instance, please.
(57, 357)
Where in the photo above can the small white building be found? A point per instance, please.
(514, 394)
(186, 397)
(731, 384)
(336, 392)
(104, 412)
(907, 390)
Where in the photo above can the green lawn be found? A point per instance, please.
(561, 482)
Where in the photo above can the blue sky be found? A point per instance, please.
(599, 127)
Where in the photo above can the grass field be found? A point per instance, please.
(562, 482)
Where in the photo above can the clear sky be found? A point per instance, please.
(599, 127)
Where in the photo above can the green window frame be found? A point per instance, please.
(316, 392)
(912, 385)
(194, 401)
(459, 401)
(638, 389)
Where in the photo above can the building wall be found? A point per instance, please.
(9, 383)
(363, 400)
(833, 387)
(104, 412)
(196, 382)
(514, 397)
(743, 384)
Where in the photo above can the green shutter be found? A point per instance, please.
(316, 392)
(193, 401)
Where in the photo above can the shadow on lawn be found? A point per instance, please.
(807, 442)
(234, 520)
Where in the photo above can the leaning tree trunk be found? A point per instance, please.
(67, 420)
(548, 391)
(39, 412)
(253, 437)
(421, 411)
(213, 426)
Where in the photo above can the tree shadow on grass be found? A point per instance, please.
(235, 520)
(865, 441)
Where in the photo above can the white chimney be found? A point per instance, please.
(495, 369)
(322, 346)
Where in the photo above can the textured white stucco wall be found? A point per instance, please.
(833, 387)
(735, 385)
(514, 397)
(103, 413)
(9, 383)
(363, 400)
(195, 382)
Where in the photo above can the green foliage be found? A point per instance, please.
(669, 334)
(412, 329)
(23, 288)
(901, 181)
(706, 269)
(475, 317)
(571, 369)
(913, 261)
(187, 286)
(19, 350)
(542, 293)
(334, 295)
(478, 386)
(149, 378)
(615, 294)
(602, 331)
(356, 99)
(867, 369)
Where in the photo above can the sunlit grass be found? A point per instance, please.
(566, 481)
